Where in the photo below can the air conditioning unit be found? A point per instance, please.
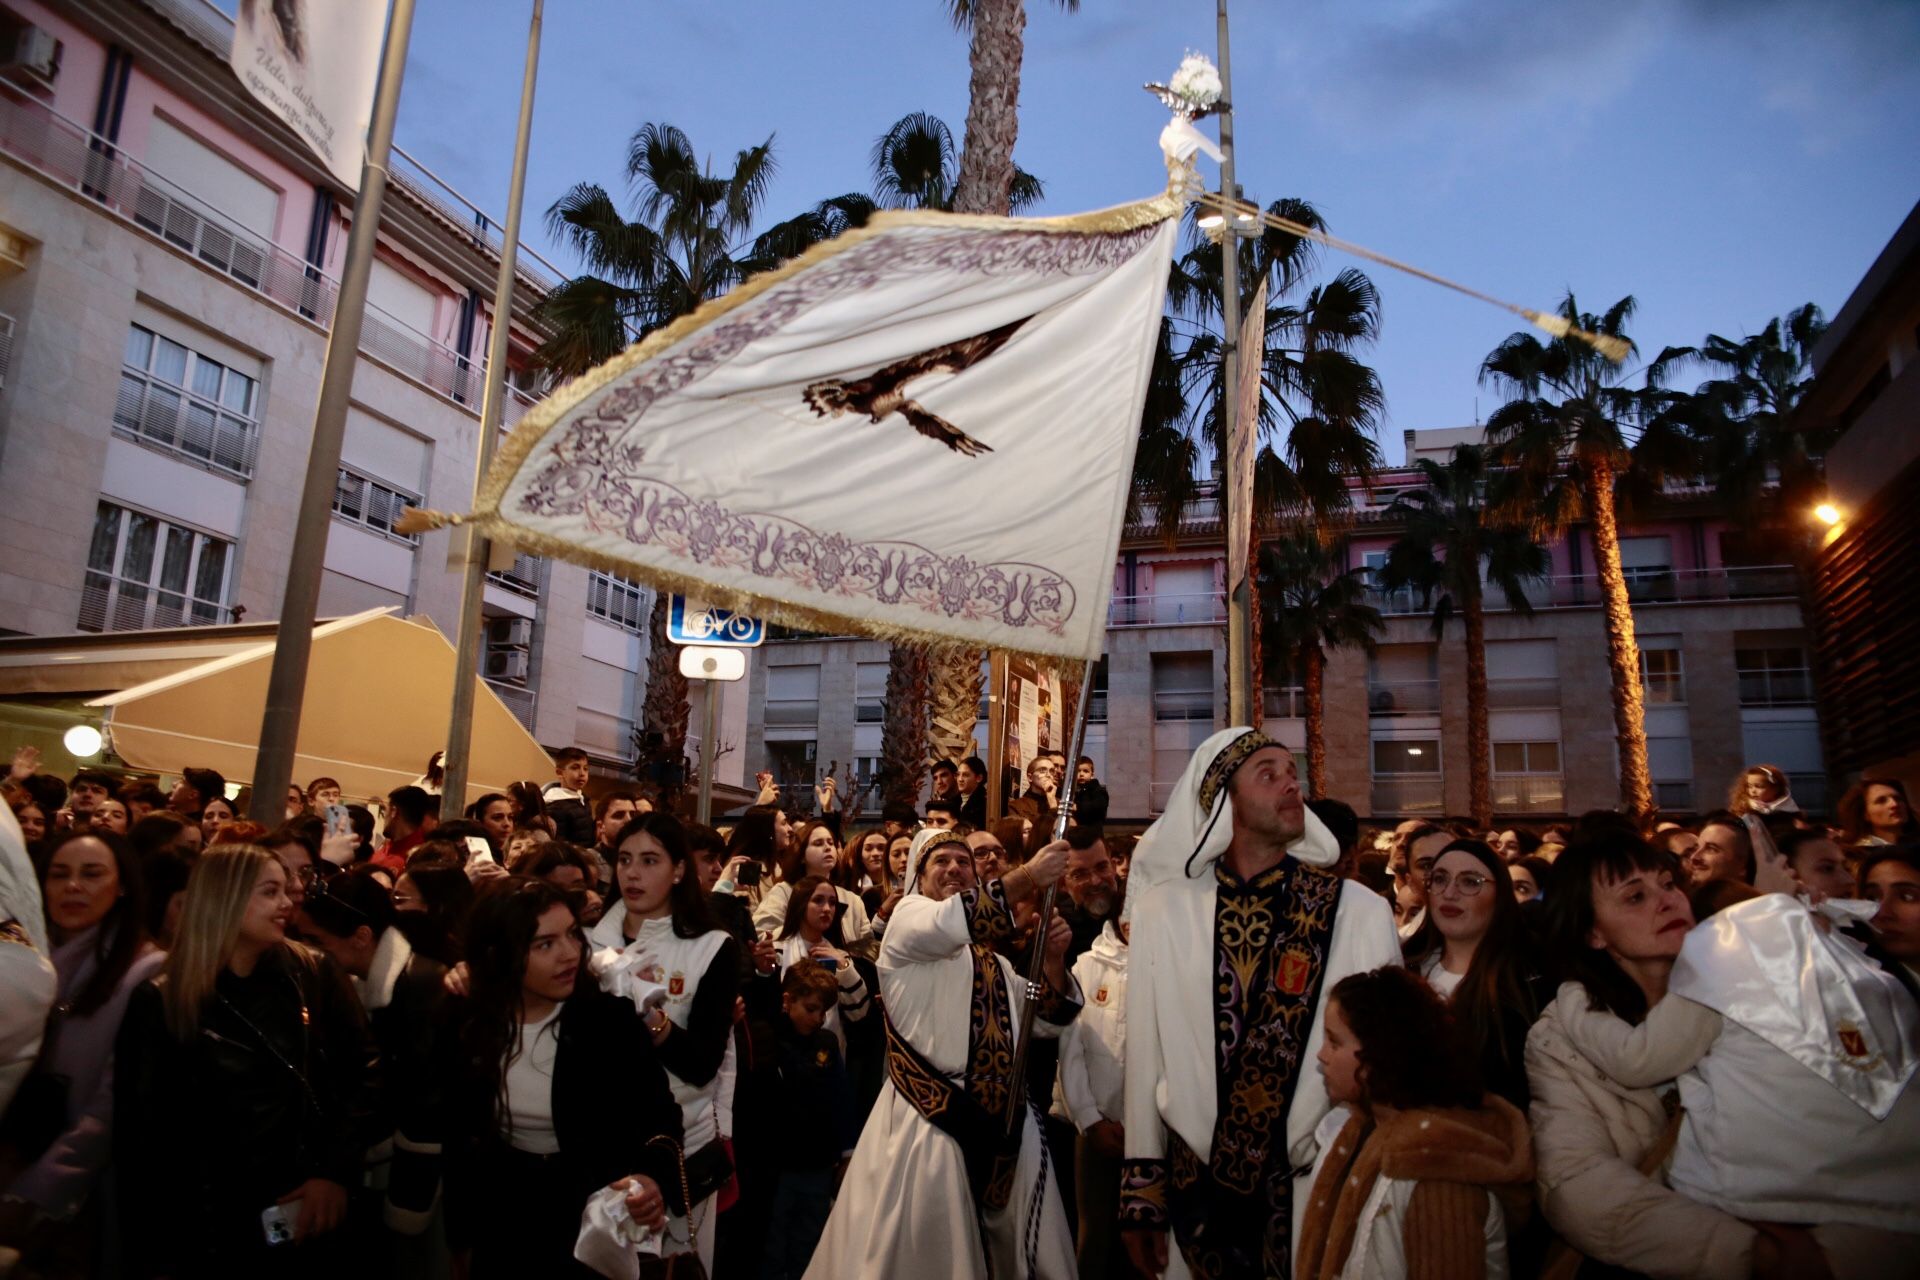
(510, 633)
(34, 60)
(507, 664)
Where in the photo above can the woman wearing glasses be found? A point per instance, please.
(1474, 949)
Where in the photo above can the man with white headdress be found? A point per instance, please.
(936, 1188)
(1240, 928)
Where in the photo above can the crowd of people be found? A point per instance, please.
(571, 1032)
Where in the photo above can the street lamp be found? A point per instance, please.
(1826, 513)
(82, 741)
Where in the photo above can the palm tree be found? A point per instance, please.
(915, 166)
(1320, 404)
(1311, 603)
(689, 240)
(996, 49)
(1572, 431)
(1451, 538)
(1750, 435)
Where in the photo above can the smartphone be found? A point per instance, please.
(748, 874)
(826, 963)
(478, 850)
(339, 823)
(278, 1220)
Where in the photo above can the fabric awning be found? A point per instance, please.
(379, 693)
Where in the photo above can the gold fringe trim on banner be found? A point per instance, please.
(1613, 348)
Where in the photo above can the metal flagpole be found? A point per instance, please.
(1239, 614)
(466, 663)
(1035, 962)
(293, 644)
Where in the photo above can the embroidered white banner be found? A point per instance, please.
(313, 63)
(923, 429)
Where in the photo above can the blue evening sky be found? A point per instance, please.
(1721, 160)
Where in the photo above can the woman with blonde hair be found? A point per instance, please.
(243, 1089)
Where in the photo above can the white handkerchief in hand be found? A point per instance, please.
(611, 1242)
(630, 974)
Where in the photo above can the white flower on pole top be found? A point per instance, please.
(1197, 82)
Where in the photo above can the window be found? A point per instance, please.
(1526, 757)
(372, 505)
(1661, 672)
(522, 577)
(793, 697)
(1401, 680)
(176, 400)
(870, 693)
(1406, 776)
(143, 571)
(1396, 756)
(1526, 777)
(1404, 600)
(1182, 714)
(1775, 676)
(617, 600)
(1647, 565)
(1097, 695)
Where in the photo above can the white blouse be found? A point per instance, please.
(530, 1086)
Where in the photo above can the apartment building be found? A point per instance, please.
(1724, 661)
(169, 257)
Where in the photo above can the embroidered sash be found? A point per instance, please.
(1233, 1214)
(974, 1116)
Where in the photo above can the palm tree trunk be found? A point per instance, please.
(1623, 654)
(1479, 746)
(993, 102)
(903, 734)
(1312, 685)
(957, 687)
(665, 709)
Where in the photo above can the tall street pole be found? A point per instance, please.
(1240, 708)
(466, 663)
(293, 646)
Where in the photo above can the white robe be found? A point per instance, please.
(905, 1208)
(1171, 1055)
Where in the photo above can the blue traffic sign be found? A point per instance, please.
(693, 622)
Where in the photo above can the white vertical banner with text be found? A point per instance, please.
(313, 63)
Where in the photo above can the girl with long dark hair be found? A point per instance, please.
(814, 851)
(1474, 950)
(431, 900)
(812, 933)
(530, 1135)
(243, 1089)
(662, 916)
(59, 1132)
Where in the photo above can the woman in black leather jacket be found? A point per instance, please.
(244, 1089)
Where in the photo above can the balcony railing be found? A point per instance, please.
(519, 700)
(1776, 687)
(1403, 697)
(6, 348)
(1183, 704)
(1523, 692)
(75, 157)
(1529, 793)
(522, 579)
(174, 420)
(788, 713)
(1170, 610)
(1408, 796)
(1284, 704)
(1581, 591)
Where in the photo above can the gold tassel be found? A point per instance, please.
(1558, 326)
(415, 520)
(1614, 349)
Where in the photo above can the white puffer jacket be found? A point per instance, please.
(1093, 1048)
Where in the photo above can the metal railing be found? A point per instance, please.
(1776, 687)
(174, 420)
(1523, 692)
(108, 603)
(1284, 704)
(1580, 591)
(523, 578)
(618, 601)
(6, 348)
(1183, 704)
(1529, 793)
(72, 155)
(1402, 697)
(789, 713)
(519, 700)
(1170, 610)
(1411, 795)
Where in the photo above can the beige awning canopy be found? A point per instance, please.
(379, 692)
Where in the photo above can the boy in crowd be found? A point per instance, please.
(566, 798)
(816, 1102)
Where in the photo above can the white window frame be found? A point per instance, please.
(375, 498)
(618, 601)
(1673, 683)
(115, 601)
(178, 418)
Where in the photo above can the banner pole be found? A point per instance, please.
(293, 636)
(478, 550)
(1239, 615)
(1036, 961)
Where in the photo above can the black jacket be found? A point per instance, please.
(816, 1099)
(278, 1085)
(973, 809)
(572, 819)
(1090, 804)
(603, 1136)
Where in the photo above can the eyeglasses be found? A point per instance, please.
(1469, 883)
